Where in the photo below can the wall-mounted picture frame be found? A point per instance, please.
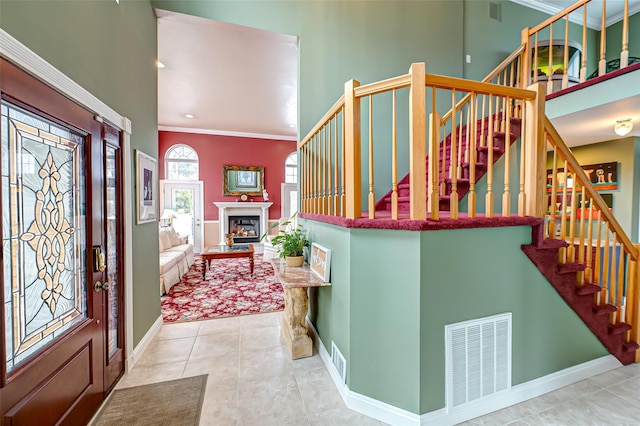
(245, 179)
(146, 188)
(320, 261)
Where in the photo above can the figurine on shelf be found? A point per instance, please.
(265, 195)
(229, 239)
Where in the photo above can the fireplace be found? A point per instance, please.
(245, 229)
(228, 209)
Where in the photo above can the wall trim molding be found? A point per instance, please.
(226, 133)
(144, 343)
(519, 393)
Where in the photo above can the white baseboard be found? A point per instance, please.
(144, 343)
(519, 393)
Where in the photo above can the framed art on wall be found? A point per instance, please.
(146, 188)
(320, 261)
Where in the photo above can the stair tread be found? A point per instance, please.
(605, 309)
(587, 289)
(619, 328)
(630, 346)
(566, 268)
(551, 243)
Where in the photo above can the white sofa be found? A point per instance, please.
(176, 257)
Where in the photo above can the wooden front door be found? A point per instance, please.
(62, 323)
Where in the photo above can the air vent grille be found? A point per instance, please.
(478, 359)
(339, 362)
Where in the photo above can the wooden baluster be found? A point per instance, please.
(484, 118)
(372, 197)
(588, 272)
(522, 198)
(489, 207)
(583, 67)
(336, 198)
(633, 296)
(582, 211)
(624, 55)
(554, 195)
(343, 195)
(606, 284)
(565, 64)
(512, 76)
(602, 64)
(443, 159)
(433, 204)
(471, 148)
(497, 125)
(460, 145)
(303, 178)
(597, 279)
(571, 250)
(550, 69)
(563, 214)
(612, 272)
(620, 284)
(467, 153)
(535, 60)
(503, 122)
(323, 159)
(318, 176)
(506, 194)
(394, 162)
(330, 169)
(353, 184)
(453, 168)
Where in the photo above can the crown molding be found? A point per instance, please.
(226, 133)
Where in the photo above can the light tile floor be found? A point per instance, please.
(253, 381)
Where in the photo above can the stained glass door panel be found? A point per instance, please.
(43, 232)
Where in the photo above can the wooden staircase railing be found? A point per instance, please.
(558, 28)
(577, 214)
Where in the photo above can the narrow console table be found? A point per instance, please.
(295, 281)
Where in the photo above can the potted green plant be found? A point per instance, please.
(290, 243)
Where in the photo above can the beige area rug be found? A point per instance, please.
(173, 403)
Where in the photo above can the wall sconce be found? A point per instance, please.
(623, 127)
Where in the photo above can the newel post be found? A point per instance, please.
(535, 183)
(525, 63)
(418, 142)
(352, 162)
(633, 300)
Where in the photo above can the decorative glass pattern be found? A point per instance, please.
(181, 163)
(43, 232)
(112, 250)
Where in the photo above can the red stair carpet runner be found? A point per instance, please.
(227, 290)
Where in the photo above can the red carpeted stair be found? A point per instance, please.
(499, 139)
(563, 277)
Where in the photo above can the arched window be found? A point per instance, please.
(181, 163)
(291, 168)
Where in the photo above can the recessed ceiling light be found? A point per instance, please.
(189, 115)
(159, 64)
(292, 125)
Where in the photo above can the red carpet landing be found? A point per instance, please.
(227, 290)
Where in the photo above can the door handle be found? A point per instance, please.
(100, 286)
(98, 259)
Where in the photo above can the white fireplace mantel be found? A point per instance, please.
(241, 209)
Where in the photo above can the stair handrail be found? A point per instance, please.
(556, 141)
(493, 74)
(335, 108)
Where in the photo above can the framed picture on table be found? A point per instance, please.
(320, 261)
(146, 188)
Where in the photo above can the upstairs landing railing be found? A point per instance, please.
(556, 30)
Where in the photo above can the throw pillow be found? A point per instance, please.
(165, 240)
(174, 237)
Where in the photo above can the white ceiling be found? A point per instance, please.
(235, 80)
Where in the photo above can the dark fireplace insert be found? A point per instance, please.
(245, 229)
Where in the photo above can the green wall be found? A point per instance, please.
(614, 38)
(626, 198)
(342, 40)
(393, 292)
(109, 50)
(501, 37)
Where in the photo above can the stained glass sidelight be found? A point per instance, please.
(43, 232)
(112, 250)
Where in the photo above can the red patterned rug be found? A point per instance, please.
(228, 289)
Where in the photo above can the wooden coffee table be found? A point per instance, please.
(225, 252)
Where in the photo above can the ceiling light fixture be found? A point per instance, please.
(189, 115)
(160, 65)
(623, 127)
(292, 125)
